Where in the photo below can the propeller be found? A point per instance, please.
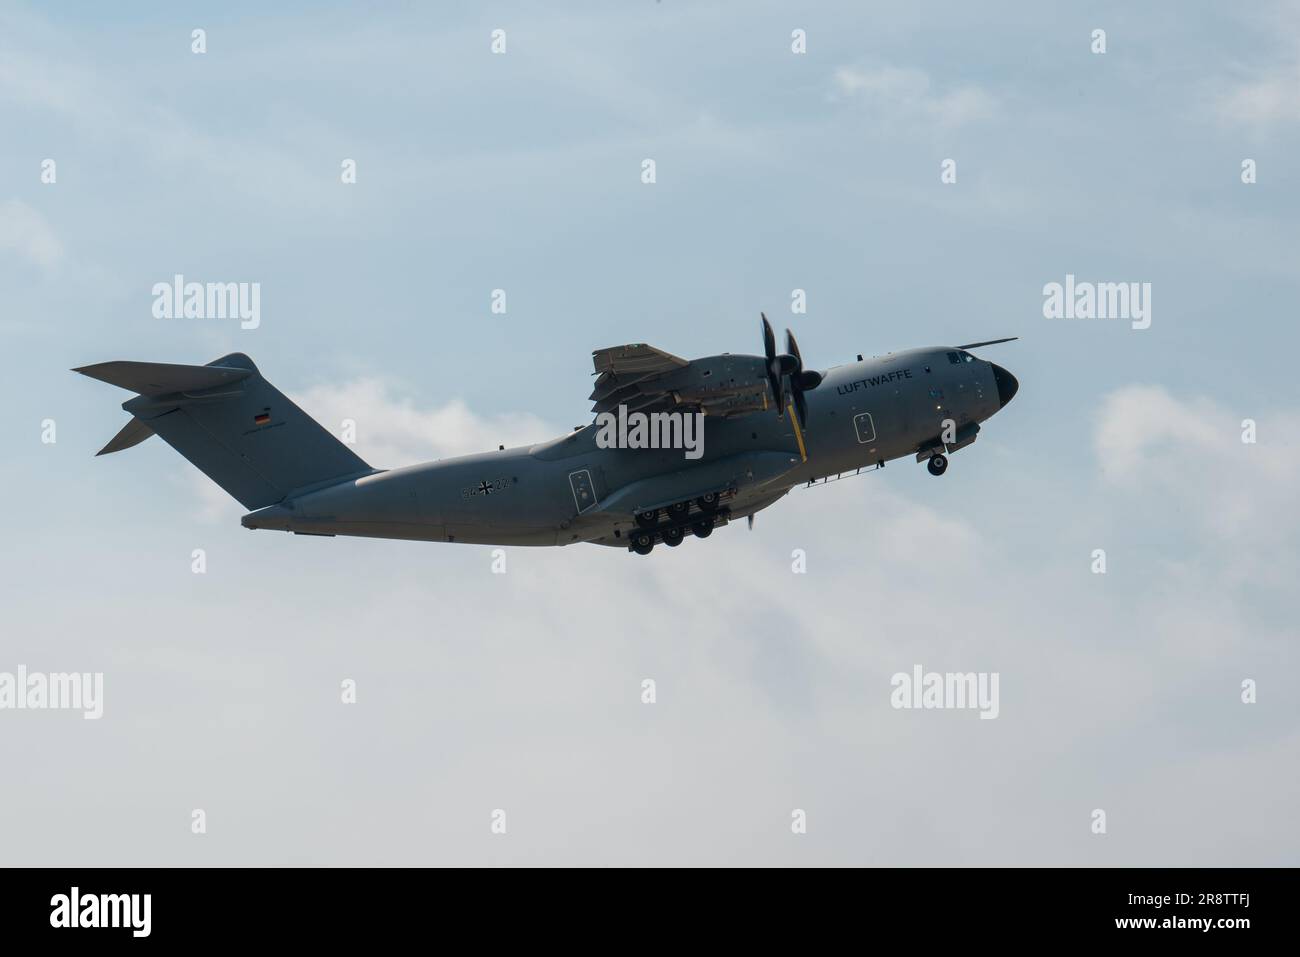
(786, 374)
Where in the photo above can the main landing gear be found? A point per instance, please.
(678, 520)
(938, 464)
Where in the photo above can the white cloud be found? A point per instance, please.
(1184, 458)
(1263, 89)
(392, 431)
(1266, 99)
(1139, 421)
(215, 505)
(26, 233)
(904, 94)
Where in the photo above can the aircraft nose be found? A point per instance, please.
(1007, 384)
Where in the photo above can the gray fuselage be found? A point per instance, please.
(570, 490)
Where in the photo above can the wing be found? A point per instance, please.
(646, 379)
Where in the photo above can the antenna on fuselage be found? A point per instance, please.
(991, 342)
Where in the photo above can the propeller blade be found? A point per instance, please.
(769, 339)
(991, 342)
(775, 376)
(785, 372)
(800, 380)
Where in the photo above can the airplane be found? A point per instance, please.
(769, 425)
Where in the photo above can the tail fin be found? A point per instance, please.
(230, 422)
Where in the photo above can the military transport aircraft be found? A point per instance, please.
(768, 425)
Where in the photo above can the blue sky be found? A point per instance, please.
(775, 171)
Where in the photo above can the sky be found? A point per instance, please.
(521, 692)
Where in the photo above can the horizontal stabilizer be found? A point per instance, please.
(234, 426)
(161, 378)
(133, 433)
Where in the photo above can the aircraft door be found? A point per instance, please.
(584, 490)
(865, 427)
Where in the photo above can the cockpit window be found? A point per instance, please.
(954, 358)
(967, 357)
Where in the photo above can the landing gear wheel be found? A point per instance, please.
(642, 542)
(707, 502)
(938, 464)
(677, 511)
(673, 536)
(647, 519)
(703, 529)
